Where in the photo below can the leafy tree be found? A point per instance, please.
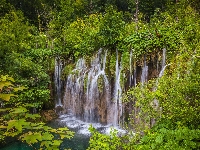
(111, 28)
(17, 42)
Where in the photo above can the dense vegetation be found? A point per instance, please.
(33, 33)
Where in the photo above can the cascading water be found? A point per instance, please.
(93, 93)
(57, 81)
(74, 90)
(117, 93)
(94, 97)
(155, 102)
(84, 89)
(88, 97)
(135, 74)
(144, 74)
(163, 66)
(163, 63)
(130, 65)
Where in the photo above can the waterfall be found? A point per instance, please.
(88, 91)
(89, 95)
(155, 102)
(117, 93)
(74, 90)
(163, 66)
(93, 94)
(135, 74)
(144, 74)
(57, 81)
(130, 76)
(164, 57)
(163, 63)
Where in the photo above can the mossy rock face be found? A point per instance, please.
(48, 115)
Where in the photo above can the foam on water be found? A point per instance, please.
(81, 127)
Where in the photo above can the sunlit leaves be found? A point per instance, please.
(18, 110)
(5, 81)
(19, 88)
(31, 132)
(14, 127)
(47, 136)
(32, 116)
(6, 97)
(31, 137)
(4, 109)
(7, 86)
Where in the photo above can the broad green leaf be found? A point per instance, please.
(56, 142)
(17, 124)
(45, 144)
(28, 105)
(18, 110)
(6, 97)
(31, 137)
(47, 128)
(6, 77)
(11, 124)
(67, 135)
(47, 136)
(19, 88)
(3, 127)
(32, 116)
(10, 79)
(4, 109)
(5, 83)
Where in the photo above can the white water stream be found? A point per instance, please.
(57, 80)
(89, 96)
(88, 92)
(144, 72)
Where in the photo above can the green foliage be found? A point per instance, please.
(17, 58)
(164, 137)
(183, 96)
(6, 85)
(81, 36)
(30, 74)
(14, 32)
(173, 100)
(16, 121)
(101, 141)
(73, 29)
(111, 28)
(149, 39)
